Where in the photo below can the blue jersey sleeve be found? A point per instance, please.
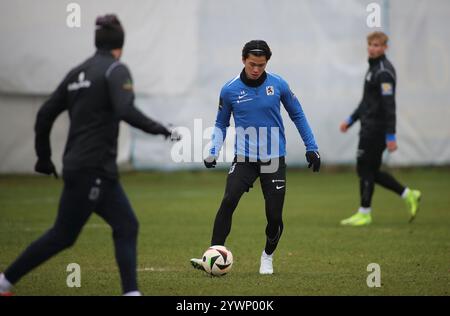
(221, 125)
(295, 111)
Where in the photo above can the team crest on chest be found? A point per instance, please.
(270, 90)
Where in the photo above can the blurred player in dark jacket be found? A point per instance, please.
(376, 112)
(98, 94)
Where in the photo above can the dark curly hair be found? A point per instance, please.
(257, 48)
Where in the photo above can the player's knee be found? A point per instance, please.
(61, 239)
(127, 229)
(65, 241)
(274, 218)
(230, 200)
(364, 171)
(359, 170)
(134, 227)
(70, 241)
(276, 221)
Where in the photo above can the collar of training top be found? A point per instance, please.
(103, 52)
(374, 61)
(251, 82)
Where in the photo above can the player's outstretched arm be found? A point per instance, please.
(295, 111)
(46, 116)
(122, 97)
(345, 125)
(387, 88)
(220, 130)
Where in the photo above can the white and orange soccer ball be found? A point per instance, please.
(217, 260)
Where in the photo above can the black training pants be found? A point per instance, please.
(240, 179)
(369, 157)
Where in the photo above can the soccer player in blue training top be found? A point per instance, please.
(253, 97)
(376, 113)
(98, 94)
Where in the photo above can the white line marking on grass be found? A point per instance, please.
(152, 269)
(97, 226)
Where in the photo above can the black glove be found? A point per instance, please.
(313, 159)
(171, 134)
(46, 166)
(174, 136)
(210, 162)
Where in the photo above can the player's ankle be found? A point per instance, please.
(364, 210)
(405, 193)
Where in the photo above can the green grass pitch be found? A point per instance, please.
(176, 211)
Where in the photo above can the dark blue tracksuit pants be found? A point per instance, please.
(84, 194)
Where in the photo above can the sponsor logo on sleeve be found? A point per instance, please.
(387, 88)
(128, 85)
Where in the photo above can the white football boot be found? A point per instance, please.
(5, 286)
(197, 264)
(133, 293)
(266, 264)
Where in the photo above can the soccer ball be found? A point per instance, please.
(217, 260)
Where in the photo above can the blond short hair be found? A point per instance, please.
(377, 35)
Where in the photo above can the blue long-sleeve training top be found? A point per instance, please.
(257, 117)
